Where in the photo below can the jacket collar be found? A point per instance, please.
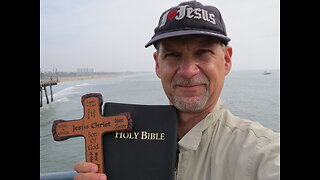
(192, 139)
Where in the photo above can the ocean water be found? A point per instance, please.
(247, 94)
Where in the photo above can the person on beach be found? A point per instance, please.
(192, 59)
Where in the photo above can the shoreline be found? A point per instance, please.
(79, 78)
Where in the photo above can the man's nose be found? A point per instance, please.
(188, 68)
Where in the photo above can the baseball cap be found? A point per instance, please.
(188, 18)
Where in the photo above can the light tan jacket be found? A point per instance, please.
(225, 147)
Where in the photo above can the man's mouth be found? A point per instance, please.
(190, 90)
(189, 86)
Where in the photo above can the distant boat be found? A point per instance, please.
(266, 73)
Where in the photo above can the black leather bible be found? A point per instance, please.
(148, 152)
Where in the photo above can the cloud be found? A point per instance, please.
(110, 35)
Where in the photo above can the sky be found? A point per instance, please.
(109, 35)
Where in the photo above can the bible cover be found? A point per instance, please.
(148, 152)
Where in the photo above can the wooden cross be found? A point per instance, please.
(92, 126)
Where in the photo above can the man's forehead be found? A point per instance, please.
(199, 40)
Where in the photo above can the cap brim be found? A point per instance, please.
(186, 32)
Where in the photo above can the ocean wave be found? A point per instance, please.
(65, 92)
(83, 84)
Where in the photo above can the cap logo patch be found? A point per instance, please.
(188, 12)
(172, 14)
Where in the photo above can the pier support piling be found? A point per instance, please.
(45, 91)
(51, 93)
(40, 96)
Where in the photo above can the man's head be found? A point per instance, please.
(192, 63)
(192, 70)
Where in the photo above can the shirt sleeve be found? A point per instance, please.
(268, 160)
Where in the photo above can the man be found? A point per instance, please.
(192, 60)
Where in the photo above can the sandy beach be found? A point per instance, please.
(78, 78)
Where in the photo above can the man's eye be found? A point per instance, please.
(204, 51)
(173, 54)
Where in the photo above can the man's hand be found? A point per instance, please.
(86, 170)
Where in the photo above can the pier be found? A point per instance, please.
(45, 82)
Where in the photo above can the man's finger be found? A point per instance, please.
(85, 167)
(90, 176)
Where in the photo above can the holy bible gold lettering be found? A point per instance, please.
(144, 135)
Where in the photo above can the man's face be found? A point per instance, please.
(192, 71)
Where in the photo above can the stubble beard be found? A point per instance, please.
(191, 104)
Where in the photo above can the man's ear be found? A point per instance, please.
(155, 57)
(227, 58)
